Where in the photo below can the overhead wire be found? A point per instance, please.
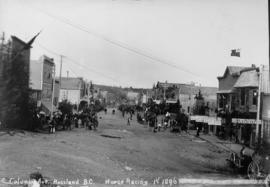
(116, 43)
(56, 54)
(79, 64)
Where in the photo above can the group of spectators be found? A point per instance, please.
(174, 121)
(60, 121)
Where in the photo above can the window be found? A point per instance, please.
(243, 95)
(221, 101)
(49, 76)
(254, 98)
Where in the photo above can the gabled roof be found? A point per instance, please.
(247, 79)
(18, 40)
(233, 70)
(71, 83)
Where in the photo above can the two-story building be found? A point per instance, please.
(72, 89)
(238, 101)
(226, 95)
(185, 93)
(42, 82)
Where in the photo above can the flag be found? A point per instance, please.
(28, 45)
(235, 52)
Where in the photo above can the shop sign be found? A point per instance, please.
(206, 119)
(245, 121)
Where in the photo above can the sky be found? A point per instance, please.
(139, 42)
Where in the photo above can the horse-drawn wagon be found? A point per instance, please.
(255, 166)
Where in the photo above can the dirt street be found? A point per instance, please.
(114, 152)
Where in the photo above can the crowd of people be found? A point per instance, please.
(58, 121)
(176, 122)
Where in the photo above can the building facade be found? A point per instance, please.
(186, 94)
(42, 82)
(14, 87)
(238, 104)
(72, 89)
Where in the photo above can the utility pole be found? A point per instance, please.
(53, 86)
(2, 45)
(2, 40)
(258, 107)
(60, 76)
(88, 93)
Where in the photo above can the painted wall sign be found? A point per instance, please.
(245, 121)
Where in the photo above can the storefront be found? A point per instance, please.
(245, 130)
(210, 124)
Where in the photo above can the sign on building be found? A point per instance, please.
(207, 119)
(245, 121)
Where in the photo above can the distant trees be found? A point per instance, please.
(65, 107)
(199, 107)
(170, 92)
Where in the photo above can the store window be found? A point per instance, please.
(221, 101)
(243, 94)
(255, 97)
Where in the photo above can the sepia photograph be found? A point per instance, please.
(153, 93)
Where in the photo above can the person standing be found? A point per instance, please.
(76, 121)
(185, 123)
(130, 115)
(128, 121)
(68, 122)
(199, 126)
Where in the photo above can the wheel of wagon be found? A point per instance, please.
(253, 170)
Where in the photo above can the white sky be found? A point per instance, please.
(194, 35)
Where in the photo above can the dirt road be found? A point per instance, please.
(114, 152)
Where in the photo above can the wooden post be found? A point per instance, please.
(258, 106)
(53, 87)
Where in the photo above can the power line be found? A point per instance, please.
(54, 53)
(77, 63)
(117, 43)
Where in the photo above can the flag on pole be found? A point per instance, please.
(235, 52)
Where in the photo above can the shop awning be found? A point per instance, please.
(47, 107)
(171, 101)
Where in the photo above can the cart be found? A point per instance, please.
(253, 166)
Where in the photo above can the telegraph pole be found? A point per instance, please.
(60, 76)
(53, 87)
(2, 40)
(258, 107)
(2, 46)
